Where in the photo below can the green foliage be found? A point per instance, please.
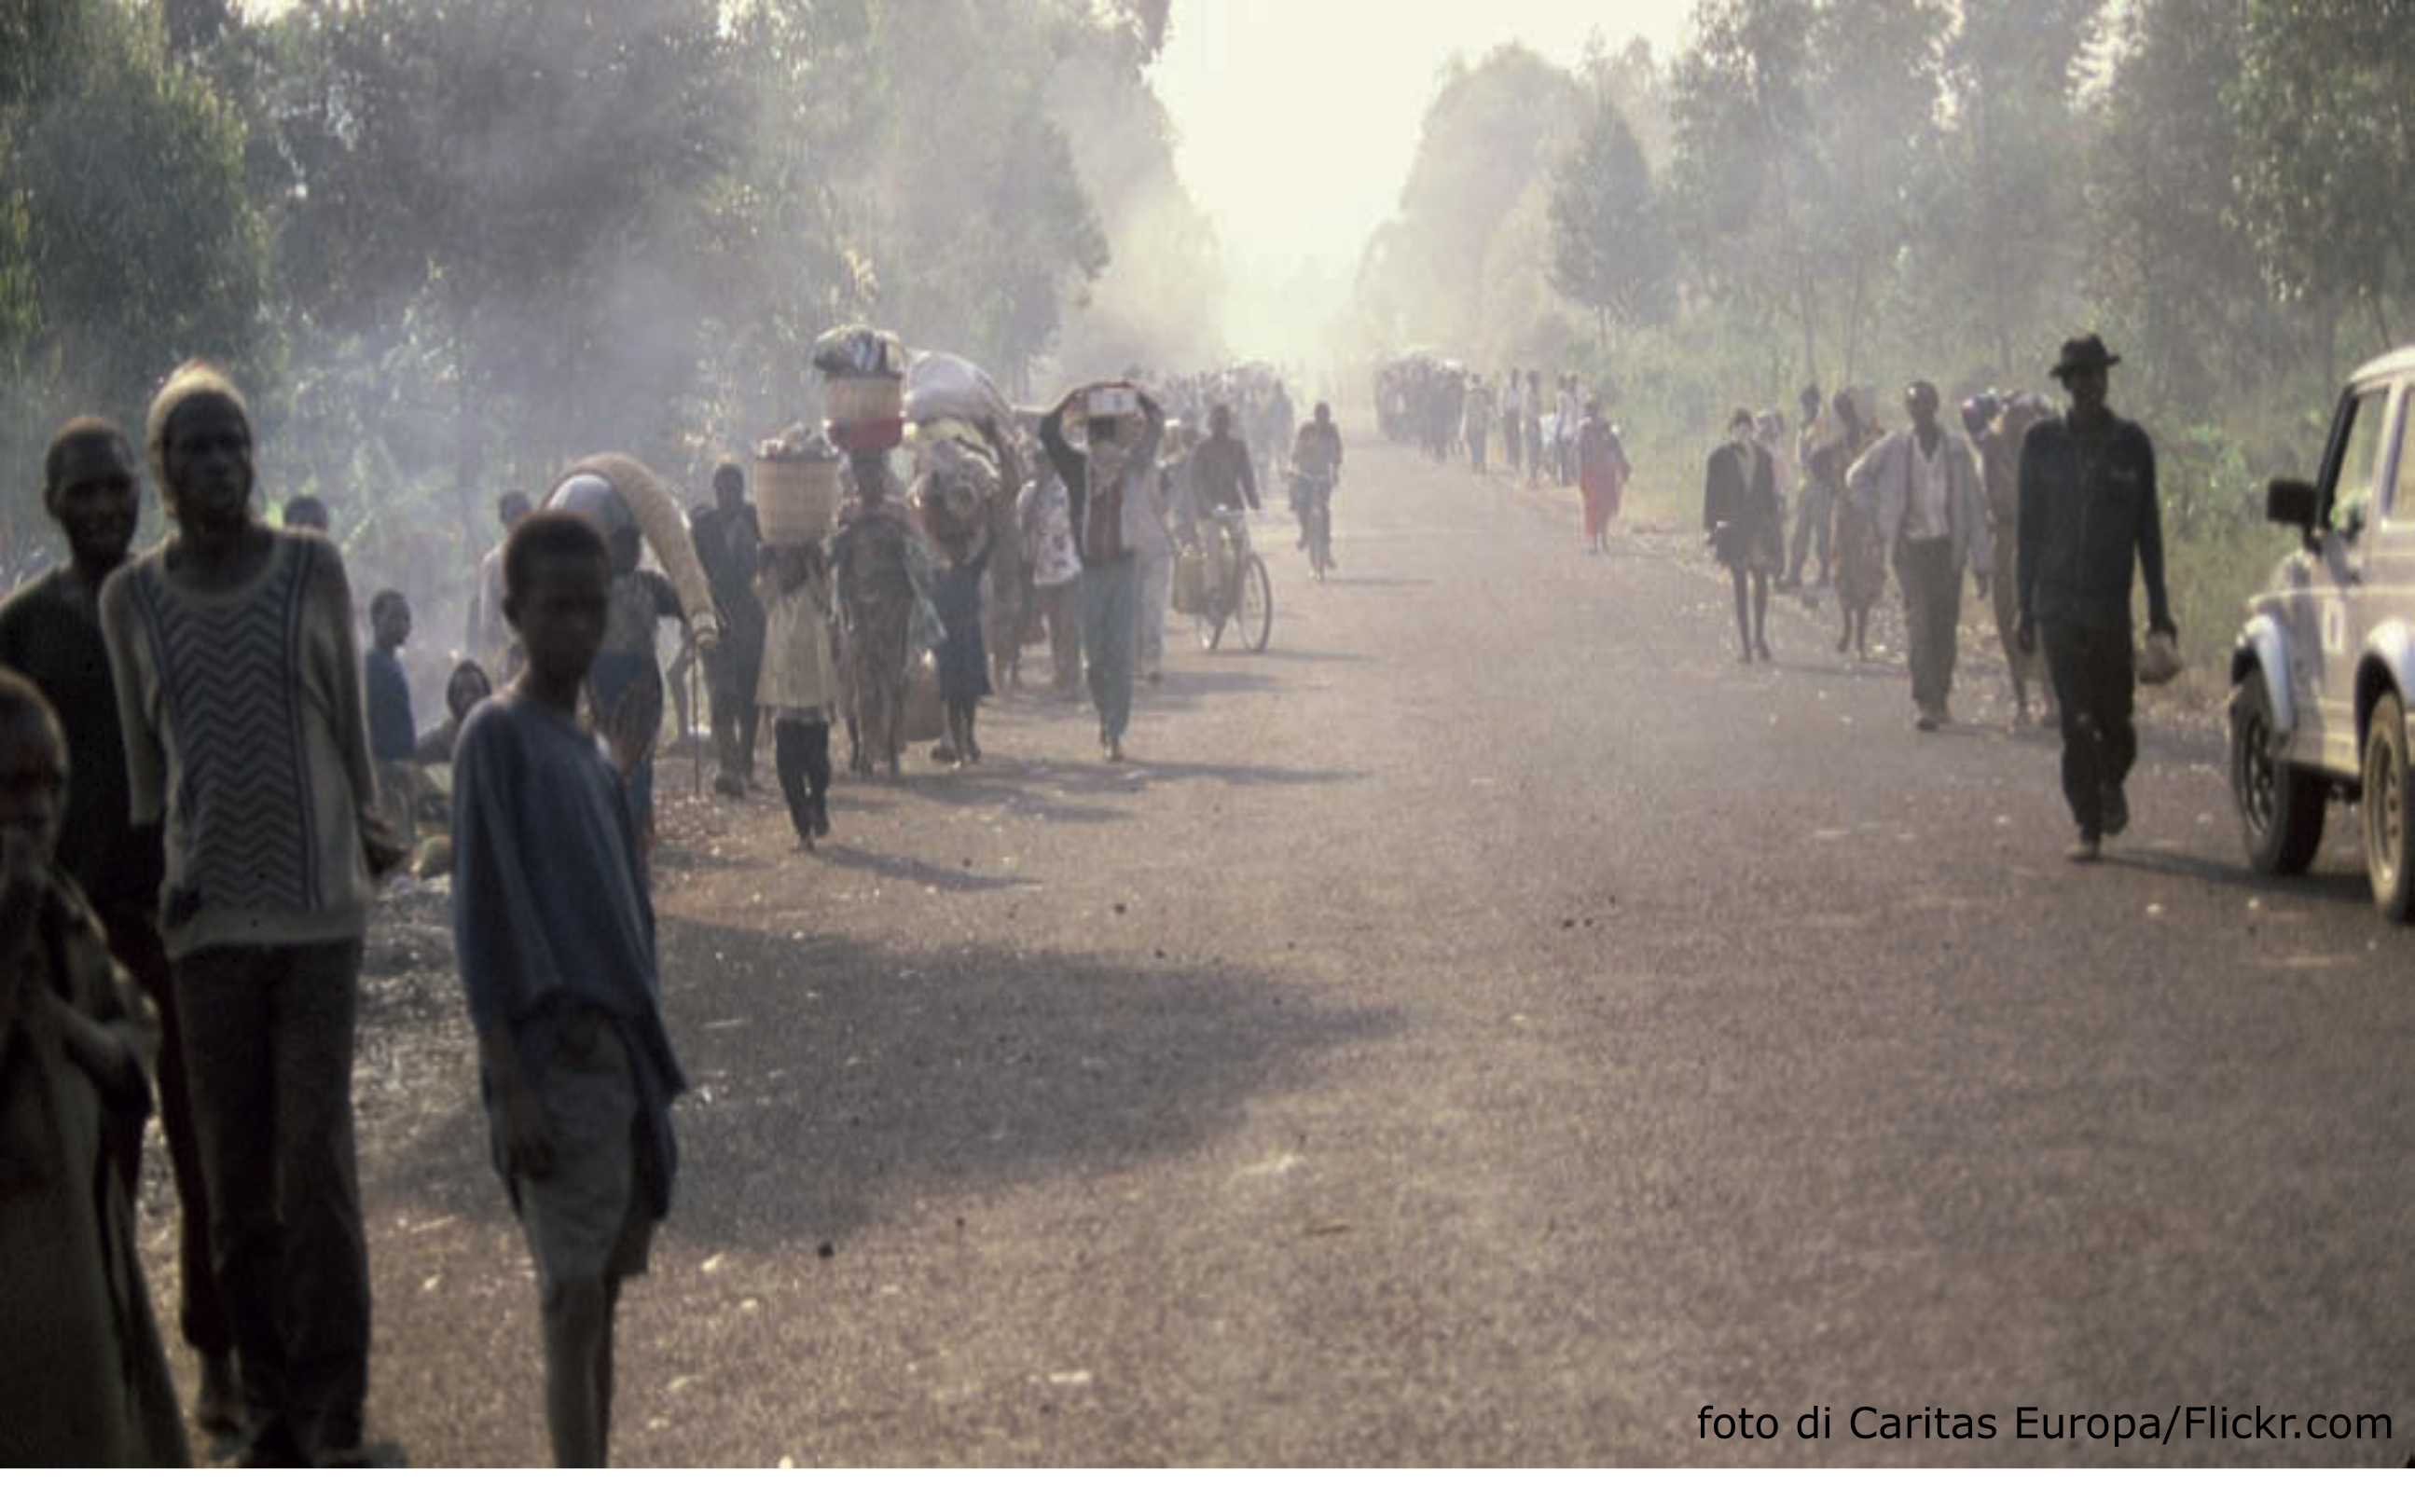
(142, 248)
(992, 157)
(126, 244)
(1610, 253)
(2326, 158)
(534, 175)
(1744, 180)
(1878, 189)
(2169, 256)
(1999, 198)
(1166, 268)
(1494, 131)
(447, 245)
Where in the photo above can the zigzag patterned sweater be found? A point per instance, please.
(244, 733)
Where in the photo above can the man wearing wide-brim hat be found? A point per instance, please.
(2088, 511)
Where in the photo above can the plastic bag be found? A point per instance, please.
(2159, 659)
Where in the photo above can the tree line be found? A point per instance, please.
(445, 244)
(1823, 190)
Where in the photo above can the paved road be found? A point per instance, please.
(1488, 1027)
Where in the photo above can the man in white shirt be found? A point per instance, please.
(1923, 487)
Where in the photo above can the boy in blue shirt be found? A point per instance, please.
(555, 935)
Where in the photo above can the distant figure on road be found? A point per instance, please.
(1601, 475)
(1513, 419)
(799, 686)
(1815, 504)
(881, 571)
(1998, 426)
(1316, 472)
(307, 512)
(485, 638)
(2089, 511)
(1741, 524)
(394, 733)
(1114, 466)
(1922, 486)
(1861, 564)
(728, 534)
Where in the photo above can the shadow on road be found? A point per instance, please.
(1233, 775)
(2323, 887)
(1356, 580)
(1296, 653)
(833, 1081)
(922, 874)
(1026, 787)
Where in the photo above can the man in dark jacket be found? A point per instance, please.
(50, 630)
(2087, 510)
(728, 534)
(1741, 526)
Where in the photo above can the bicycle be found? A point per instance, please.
(1239, 592)
(1312, 500)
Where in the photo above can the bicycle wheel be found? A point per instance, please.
(1257, 616)
(1209, 622)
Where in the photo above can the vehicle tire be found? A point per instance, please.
(1257, 616)
(2280, 807)
(2389, 810)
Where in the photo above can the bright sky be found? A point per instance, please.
(1299, 118)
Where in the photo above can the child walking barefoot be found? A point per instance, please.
(555, 934)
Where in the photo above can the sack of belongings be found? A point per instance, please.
(1190, 580)
(619, 492)
(940, 385)
(959, 456)
(860, 351)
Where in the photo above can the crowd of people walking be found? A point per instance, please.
(2051, 516)
(205, 776)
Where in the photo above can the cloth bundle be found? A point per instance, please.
(650, 507)
(858, 352)
(941, 385)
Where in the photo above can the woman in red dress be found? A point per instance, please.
(1601, 475)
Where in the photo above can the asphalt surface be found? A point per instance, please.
(1489, 1026)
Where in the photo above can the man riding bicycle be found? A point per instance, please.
(1315, 473)
(1222, 480)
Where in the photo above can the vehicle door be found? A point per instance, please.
(2325, 634)
(2385, 563)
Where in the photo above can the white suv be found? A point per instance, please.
(2324, 672)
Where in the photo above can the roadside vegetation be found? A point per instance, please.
(1873, 190)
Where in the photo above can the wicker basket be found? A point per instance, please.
(857, 436)
(797, 497)
(853, 400)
